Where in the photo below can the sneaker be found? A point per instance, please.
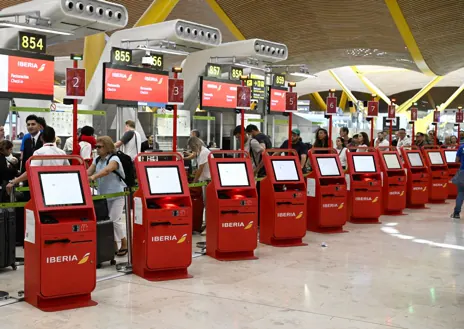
(455, 216)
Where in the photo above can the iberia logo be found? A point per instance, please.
(402, 193)
(341, 205)
(160, 81)
(42, 67)
(250, 225)
(375, 199)
(444, 185)
(299, 215)
(183, 238)
(129, 78)
(425, 189)
(220, 86)
(84, 259)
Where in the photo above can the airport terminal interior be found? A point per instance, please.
(231, 164)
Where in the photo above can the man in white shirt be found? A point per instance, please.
(49, 148)
(381, 142)
(131, 142)
(253, 147)
(403, 140)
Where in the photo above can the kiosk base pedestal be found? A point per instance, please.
(365, 221)
(232, 256)
(394, 213)
(298, 242)
(166, 275)
(438, 201)
(328, 230)
(417, 206)
(62, 303)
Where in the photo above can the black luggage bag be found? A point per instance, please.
(105, 234)
(7, 238)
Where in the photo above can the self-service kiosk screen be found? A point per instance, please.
(285, 170)
(435, 158)
(415, 160)
(391, 160)
(328, 166)
(233, 174)
(61, 189)
(164, 180)
(364, 163)
(450, 156)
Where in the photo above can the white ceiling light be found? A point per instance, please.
(164, 51)
(304, 75)
(34, 28)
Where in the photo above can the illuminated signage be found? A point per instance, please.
(36, 43)
(131, 85)
(121, 56)
(279, 80)
(218, 94)
(213, 70)
(158, 61)
(235, 73)
(277, 100)
(257, 88)
(26, 75)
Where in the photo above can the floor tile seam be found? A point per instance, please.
(261, 304)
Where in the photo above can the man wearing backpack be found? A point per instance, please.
(130, 143)
(265, 143)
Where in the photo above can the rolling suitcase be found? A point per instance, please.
(105, 234)
(7, 238)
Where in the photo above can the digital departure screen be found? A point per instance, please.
(164, 180)
(328, 166)
(285, 170)
(435, 158)
(133, 85)
(415, 160)
(61, 189)
(233, 174)
(392, 162)
(364, 163)
(277, 100)
(450, 156)
(216, 94)
(26, 75)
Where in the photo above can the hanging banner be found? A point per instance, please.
(436, 116)
(372, 109)
(413, 114)
(291, 102)
(391, 112)
(459, 117)
(75, 83)
(175, 91)
(331, 105)
(243, 97)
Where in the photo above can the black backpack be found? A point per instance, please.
(127, 166)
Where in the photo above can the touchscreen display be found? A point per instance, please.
(233, 174)
(285, 170)
(164, 180)
(415, 160)
(391, 160)
(435, 158)
(328, 166)
(61, 189)
(450, 156)
(364, 163)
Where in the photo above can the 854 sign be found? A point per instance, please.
(32, 42)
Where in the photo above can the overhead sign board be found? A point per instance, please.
(176, 91)
(213, 70)
(372, 109)
(413, 113)
(243, 97)
(279, 80)
(121, 56)
(32, 42)
(235, 73)
(391, 112)
(75, 83)
(218, 94)
(258, 88)
(459, 117)
(331, 105)
(291, 101)
(277, 100)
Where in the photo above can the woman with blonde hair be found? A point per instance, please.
(103, 171)
(202, 153)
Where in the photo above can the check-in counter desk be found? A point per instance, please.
(364, 179)
(394, 181)
(231, 207)
(282, 201)
(418, 177)
(162, 238)
(60, 237)
(327, 194)
(438, 173)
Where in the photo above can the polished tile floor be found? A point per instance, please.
(406, 273)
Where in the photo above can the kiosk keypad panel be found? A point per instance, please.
(285, 170)
(415, 160)
(61, 189)
(364, 163)
(450, 156)
(164, 180)
(328, 166)
(435, 158)
(391, 160)
(233, 174)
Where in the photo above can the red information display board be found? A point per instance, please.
(131, 85)
(176, 91)
(291, 101)
(331, 105)
(277, 99)
(413, 114)
(459, 116)
(372, 109)
(26, 75)
(436, 116)
(75, 83)
(218, 94)
(391, 112)
(243, 97)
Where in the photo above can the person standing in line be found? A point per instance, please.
(381, 143)
(403, 139)
(458, 180)
(363, 141)
(32, 141)
(150, 144)
(131, 142)
(2, 133)
(420, 140)
(321, 139)
(341, 150)
(298, 146)
(254, 148)
(103, 171)
(344, 134)
(453, 141)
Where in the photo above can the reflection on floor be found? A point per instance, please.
(375, 276)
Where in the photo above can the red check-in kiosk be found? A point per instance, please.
(365, 185)
(231, 207)
(418, 177)
(162, 242)
(327, 207)
(438, 174)
(394, 182)
(282, 201)
(453, 167)
(60, 238)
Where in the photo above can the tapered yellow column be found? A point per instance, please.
(93, 49)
